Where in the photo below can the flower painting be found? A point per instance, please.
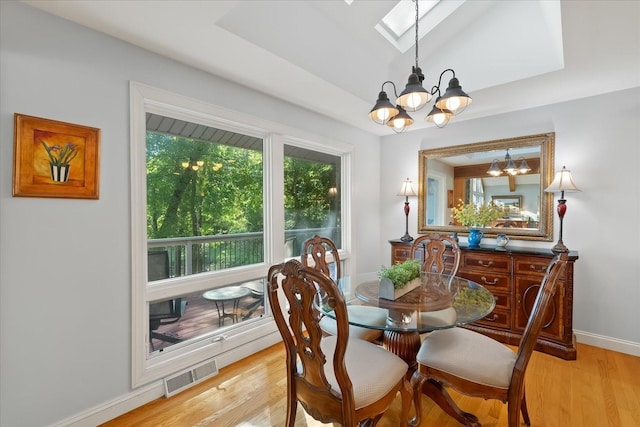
(55, 159)
(59, 159)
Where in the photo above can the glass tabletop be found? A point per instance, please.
(440, 301)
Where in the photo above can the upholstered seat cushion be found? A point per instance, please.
(468, 355)
(373, 370)
(439, 318)
(357, 314)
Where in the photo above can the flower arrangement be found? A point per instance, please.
(402, 273)
(60, 156)
(470, 215)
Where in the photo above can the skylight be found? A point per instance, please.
(398, 26)
(402, 17)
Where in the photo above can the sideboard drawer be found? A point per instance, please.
(497, 319)
(531, 266)
(400, 254)
(489, 261)
(503, 300)
(490, 279)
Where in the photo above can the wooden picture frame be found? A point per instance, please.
(55, 159)
(449, 199)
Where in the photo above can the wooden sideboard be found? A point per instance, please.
(513, 276)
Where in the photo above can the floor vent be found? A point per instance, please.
(190, 377)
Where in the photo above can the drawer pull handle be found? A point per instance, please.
(539, 270)
(489, 264)
(492, 318)
(486, 282)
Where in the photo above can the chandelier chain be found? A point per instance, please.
(417, 18)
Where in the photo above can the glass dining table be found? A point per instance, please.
(439, 302)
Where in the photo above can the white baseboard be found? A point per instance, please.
(145, 394)
(613, 344)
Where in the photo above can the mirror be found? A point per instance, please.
(449, 175)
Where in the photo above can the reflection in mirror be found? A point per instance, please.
(511, 173)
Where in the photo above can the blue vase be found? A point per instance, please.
(475, 235)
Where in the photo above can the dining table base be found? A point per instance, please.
(403, 344)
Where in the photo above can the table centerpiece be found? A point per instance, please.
(399, 279)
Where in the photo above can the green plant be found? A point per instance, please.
(401, 274)
(470, 215)
(60, 156)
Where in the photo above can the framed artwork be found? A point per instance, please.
(449, 199)
(55, 159)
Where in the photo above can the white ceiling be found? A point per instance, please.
(326, 55)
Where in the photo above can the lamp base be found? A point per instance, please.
(406, 238)
(559, 248)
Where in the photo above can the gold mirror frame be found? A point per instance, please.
(546, 142)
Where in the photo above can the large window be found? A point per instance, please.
(215, 202)
(204, 213)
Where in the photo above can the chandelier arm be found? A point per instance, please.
(392, 84)
(442, 74)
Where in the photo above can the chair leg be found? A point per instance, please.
(405, 395)
(417, 381)
(292, 406)
(513, 413)
(436, 392)
(523, 408)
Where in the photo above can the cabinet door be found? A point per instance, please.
(527, 288)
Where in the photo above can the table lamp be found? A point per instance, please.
(562, 182)
(406, 191)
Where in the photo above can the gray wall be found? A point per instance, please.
(65, 293)
(65, 264)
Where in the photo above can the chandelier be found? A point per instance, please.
(414, 97)
(509, 166)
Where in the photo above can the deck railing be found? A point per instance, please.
(191, 255)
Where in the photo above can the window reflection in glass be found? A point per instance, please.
(312, 197)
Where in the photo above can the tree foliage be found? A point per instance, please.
(198, 188)
(224, 194)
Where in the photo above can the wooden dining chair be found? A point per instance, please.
(479, 366)
(321, 253)
(335, 379)
(436, 251)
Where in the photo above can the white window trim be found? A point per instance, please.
(251, 336)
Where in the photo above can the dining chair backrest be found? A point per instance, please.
(302, 335)
(317, 374)
(321, 253)
(440, 253)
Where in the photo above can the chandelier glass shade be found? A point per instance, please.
(415, 96)
(384, 110)
(401, 121)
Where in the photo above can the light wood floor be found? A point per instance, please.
(601, 388)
